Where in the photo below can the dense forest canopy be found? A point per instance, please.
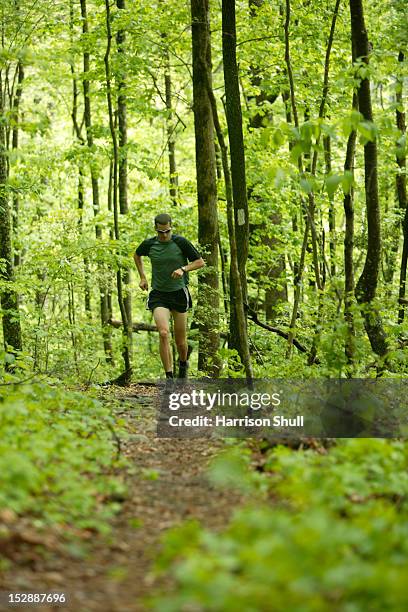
(274, 134)
(100, 107)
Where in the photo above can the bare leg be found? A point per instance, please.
(161, 317)
(180, 333)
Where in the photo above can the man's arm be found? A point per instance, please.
(193, 265)
(139, 265)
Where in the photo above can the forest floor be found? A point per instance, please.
(167, 486)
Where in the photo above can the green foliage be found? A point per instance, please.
(333, 181)
(230, 363)
(55, 237)
(57, 455)
(338, 542)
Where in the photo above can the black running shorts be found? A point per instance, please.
(173, 300)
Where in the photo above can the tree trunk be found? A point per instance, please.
(401, 187)
(122, 165)
(14, 144)
(295, 225)
(208, 298)
(238, 303)
(367, 283)
(223, 259)
(237, 155)
(297, 281)
(103, 301)
(332, 212)
(78, 133)
(170, 129)
(8, 296)
(87, 288)
(235, 135)
(127, 329)
(170, 123)
(88, 115)
(348, 203)
(401, 198)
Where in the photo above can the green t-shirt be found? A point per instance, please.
(166, 257)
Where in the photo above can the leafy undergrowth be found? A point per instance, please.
(58, 460)
(326, 532)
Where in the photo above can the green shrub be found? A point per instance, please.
(56, 456)
(335, 537)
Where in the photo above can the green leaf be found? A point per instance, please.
(347, 181)
(368, 131)
(332, 182)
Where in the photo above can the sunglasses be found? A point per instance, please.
(163, 231)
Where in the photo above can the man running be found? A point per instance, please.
(169, 255)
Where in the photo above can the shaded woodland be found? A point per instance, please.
(275, 135)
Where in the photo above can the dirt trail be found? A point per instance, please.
(169, 485)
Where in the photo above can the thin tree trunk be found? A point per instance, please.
(218, 160)
(403, 270)
(126, 327)
(8, 296)
(401, 178)
(111, 237)
(14, 144)
(390, 254)
(312, 206)
(78, 133)
(170, 123)
(300, 267)
(208, 298)
(332, 212)
(123, 165)
(170, 128)
(349, 345)
(238, 175)
(88, 115)
(104, 311)
(72, 323)
(401, 188)
(298, 285)
(122, 116)
(223, 260)
(87, 288)
(367, 284)
(39, 300)
(295, 225)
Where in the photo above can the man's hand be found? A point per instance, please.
(144, 285)
(177, 273)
